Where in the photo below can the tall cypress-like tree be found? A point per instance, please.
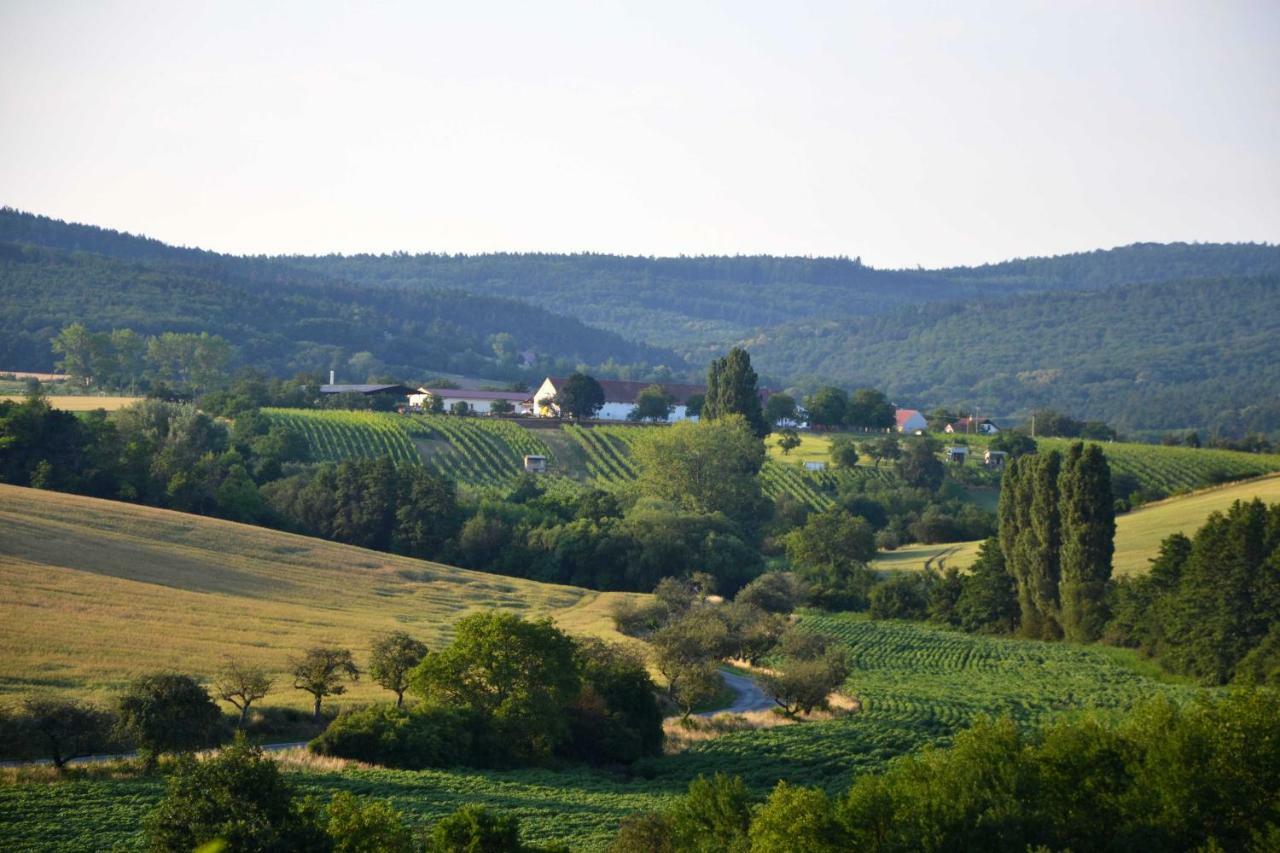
(1013, 510)
(731, 390)
(1088, 518)
(1044, 542)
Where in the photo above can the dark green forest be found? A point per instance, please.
(1148, 337)
(1162, 356)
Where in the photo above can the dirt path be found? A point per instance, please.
(749, 695)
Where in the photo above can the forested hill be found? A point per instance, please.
(1140, 263)
(282, 321)
(1196, 354)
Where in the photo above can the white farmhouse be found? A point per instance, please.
(619, 398)
(480, 402)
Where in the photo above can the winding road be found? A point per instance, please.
(750, 697)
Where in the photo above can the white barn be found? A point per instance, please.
(619, 398)
(479, 402)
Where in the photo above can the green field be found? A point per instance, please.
(94, 592)
(919, 685)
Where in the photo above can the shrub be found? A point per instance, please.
(900, 597)
(165, 712)
(394, 737)
(367, 826)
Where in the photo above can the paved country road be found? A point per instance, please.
(96, 759)
(750, 697)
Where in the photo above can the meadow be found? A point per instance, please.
(80, 402)
(95, 592)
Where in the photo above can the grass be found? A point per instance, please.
(76, 403)
(1139, 533)
(917, 558)
(95, 592)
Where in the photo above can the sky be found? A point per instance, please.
(906, 134)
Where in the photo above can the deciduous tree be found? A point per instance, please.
(321, 672)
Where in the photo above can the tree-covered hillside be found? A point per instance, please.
(1193, 354)
(280, 320)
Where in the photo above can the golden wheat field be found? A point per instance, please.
(77, 403)
(93, 592)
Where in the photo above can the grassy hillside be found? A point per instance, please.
(95, 592)
(1139, 533)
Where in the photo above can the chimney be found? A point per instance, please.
(331, 377)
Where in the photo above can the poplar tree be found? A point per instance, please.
(1015, 502)
(731, 390)
(1088, 527)
(1043, 543)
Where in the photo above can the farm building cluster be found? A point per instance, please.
(619, 401)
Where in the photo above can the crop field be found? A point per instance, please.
(334, 436)
(1173, 469)
(95, 592)
(81, 403)
(917, 558)
(919, 685)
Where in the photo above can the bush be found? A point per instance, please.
(900, 597)
(238, 797)
(474, 829)
(773, 592)
(357, 826)
(393, 737)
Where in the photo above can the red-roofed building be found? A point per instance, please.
(911, 421)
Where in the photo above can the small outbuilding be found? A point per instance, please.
(815, 466)
(957, 454)
(969, 426)
(535, 464)
(995, 459)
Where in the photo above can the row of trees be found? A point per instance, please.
(121, 358)
(1057, 532)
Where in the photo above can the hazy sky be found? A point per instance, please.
(906, 133)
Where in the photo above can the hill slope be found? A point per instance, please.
(96, 591)
(1181, 355)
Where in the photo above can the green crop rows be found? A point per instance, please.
(1173, 469)
(478, 451)
(918, 685)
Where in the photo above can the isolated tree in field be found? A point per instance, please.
(788, 440)
(166, 712)
(518, 676)
(731, 390)
(580, 397)
(844, 454)
(652, 404)
(392, 659)
(827, 406)
(64, 728)
(1088, 529)
(780, 408)
(686, 647)
(241, 684)
(804, 685)
(321, 672)
(704, 466)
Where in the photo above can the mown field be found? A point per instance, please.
(94, 592)
(919, 685)
(81, 403)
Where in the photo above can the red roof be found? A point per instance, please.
(904, 415)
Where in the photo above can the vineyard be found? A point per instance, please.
(1168, 470)
(490, 451)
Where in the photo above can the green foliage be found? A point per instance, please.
(826, 406)
(797, 820)
(356, 826)
(788, 439)
(515, 676)
(920, 467)
(241, 684)
(652, 404)
(321, 671)
(1088, 521)
(731, 390)
(844, 452)
(391, 660)
(615, 719)
(389, 736)
(714, 815)
(57, 729)
(803, 685)
(579, 397)
(988, 600)
(167, 712)
(237, 797)
(830, 554)
(1209, 605)
(780, 408)
(474, 829)
(902, 596)
(706, 466)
